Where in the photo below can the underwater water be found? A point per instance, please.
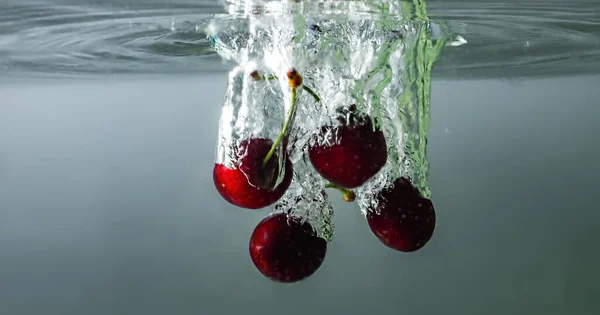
(110, 115)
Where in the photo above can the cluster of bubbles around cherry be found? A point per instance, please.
(322, 106)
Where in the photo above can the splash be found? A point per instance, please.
(376, 54)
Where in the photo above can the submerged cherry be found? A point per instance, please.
(286, 250)
(250, 183)
(349, 154)
(402, 219)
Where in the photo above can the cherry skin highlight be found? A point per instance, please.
(403, 220)
(350, 154)
(252, 184)
(286, 250)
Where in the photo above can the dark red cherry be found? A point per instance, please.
(402, 219)
(350, 154)
(250, 184)
(286, 250)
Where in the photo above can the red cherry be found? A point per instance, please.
(350, 154)
(286, 250)
(250, 184)
(403, 220)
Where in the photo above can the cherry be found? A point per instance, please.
(286, 250)
(250, 184)
(402, 219)
(349, 154)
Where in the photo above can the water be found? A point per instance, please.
(109, 115)
(73, 38)
(378, 60)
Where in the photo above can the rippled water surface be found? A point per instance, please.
(73, 38)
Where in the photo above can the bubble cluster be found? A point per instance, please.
(349, 96)
(380, 64)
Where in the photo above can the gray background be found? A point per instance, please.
(107, 207)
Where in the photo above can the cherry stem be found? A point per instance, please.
(348, 194)
(269, 78)
(306, 88)
(311, 92)
(284, 130)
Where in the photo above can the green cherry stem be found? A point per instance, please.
(311, 92)
(284, 130)
(269, 78)
(258, 77)
(348, 194)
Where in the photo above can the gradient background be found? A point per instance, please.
(107, 206)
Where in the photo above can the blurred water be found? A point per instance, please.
(107, 204)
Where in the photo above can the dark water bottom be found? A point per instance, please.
(107, 207)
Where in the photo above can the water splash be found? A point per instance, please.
(375, 54)
(307, 199)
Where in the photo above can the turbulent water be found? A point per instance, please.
(58, 38)
(374, 54)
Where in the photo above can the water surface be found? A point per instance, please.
(73, 38)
